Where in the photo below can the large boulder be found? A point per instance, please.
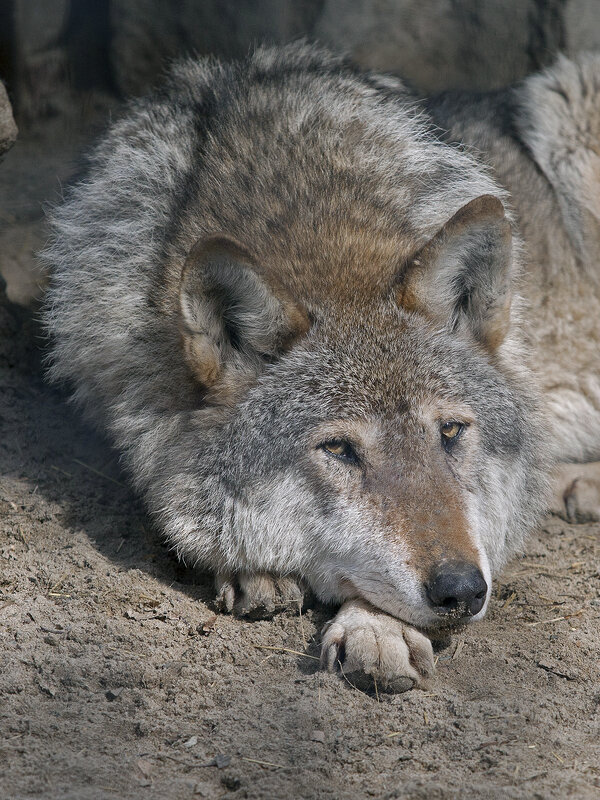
(8, 128)
(442, 44)
(435, 45)
(147, 33)
(472, 44)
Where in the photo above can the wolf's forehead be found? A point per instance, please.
(386, 395)
(398, 355)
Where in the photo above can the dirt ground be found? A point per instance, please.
(117, 680)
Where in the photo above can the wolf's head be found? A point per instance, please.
(382, 443)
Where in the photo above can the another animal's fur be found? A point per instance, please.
(271, 256)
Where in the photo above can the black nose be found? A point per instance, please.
(456, 588)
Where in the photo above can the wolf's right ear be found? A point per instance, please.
(230, 313)
(462, 277)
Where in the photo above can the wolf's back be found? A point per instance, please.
(559, 120)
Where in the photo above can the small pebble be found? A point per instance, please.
(231, 782)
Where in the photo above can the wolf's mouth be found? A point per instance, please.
(452, 621)
(445, 628)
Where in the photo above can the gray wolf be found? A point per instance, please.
(339, 334)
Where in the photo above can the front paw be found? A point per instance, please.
(368, 644)
(258, 596)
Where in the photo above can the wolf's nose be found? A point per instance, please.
(457, 588)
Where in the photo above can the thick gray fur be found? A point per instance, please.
(306, 163)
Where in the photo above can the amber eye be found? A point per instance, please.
(450, 432)
(340, 448)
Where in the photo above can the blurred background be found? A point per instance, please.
(54, 51)
(67, 64)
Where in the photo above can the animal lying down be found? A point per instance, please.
(307, 319)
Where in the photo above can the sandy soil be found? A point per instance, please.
(117, 680)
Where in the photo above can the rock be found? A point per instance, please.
(437, 45)
(41, 81)
(8, 128)
(149, 32)
(441, 44)
(231, 782)
(221, 761)
(204, 789)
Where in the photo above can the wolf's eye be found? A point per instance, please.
(450, 432)
(340, 448)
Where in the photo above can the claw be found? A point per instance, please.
(258, 596)
(570, 500)
(225, 590)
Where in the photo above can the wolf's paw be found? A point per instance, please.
(368, 644)
(576, 496)
(258, 596)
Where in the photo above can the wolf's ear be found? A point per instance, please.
(230, 313)
(463, 275)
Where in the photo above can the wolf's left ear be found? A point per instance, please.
(462, 276)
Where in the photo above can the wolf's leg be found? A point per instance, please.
(576, 492)
(259, 595)
(363, 642)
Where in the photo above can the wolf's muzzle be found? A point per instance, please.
(456, 589)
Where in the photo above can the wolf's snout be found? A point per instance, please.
(456, 588)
